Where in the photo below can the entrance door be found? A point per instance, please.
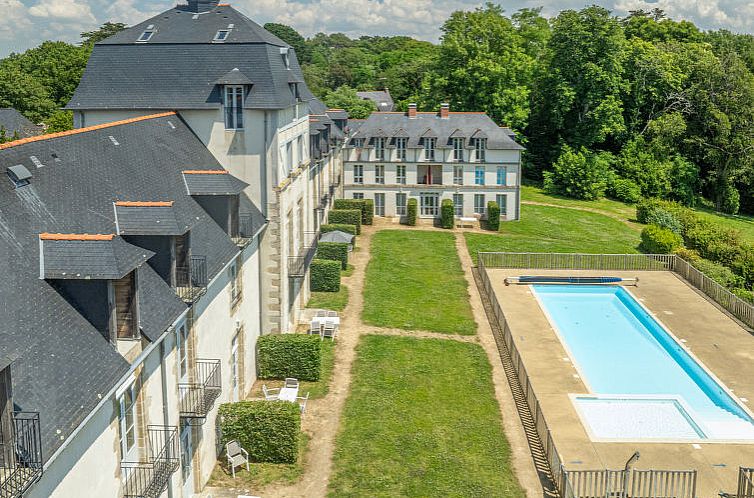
(429, 204)
(187, 460)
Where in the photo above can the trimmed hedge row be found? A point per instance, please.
(289, 355)
(658, 240)
(493, 216)
(366, 206)
(346, 217)
(412, 206)
(336, 251)
(447, 213)
(270, 432)
(331, 227)
(367, 214)
(324, 275)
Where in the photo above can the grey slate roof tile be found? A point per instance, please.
(151, 220)
(15, 122)
(213, 184)
(90, 259)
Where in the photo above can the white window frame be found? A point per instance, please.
(182, 339)
(457, 175)
(479, 208)
(458, 149)
(501, 176)
(479, 173)
(126, 406)
(379, 174)
(480, 146)
(401, 201)
(233, 96)
(502, 205)
(145, 36)
(400, 148)
(358, 174)
(400, 174)
(379, 148)
(358, 195)
(379, 204)
(458, 206)
(221, 38)
(429, 148)
(234, 274)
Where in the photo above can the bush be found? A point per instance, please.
(645, 208)
(367, 214)
(366, 206)
(447, 214)
(744, 294)
(336, 251)
(731, 200)
(268, 431)
(289, 355)
(325, 275)
(346, 217)
(578, 174)
(493, 216)
(331, 227)
(719, 273)
(624, 190)
(658, 240)
(412, 206)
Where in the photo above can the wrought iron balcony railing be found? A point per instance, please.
(299, 264)
(246, 230)
(149, 478)
(198, 397)
(20, 454)
(191, 280)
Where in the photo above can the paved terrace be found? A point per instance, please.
(720, 342)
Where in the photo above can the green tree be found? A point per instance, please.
(59, 121)
(345, 98)
(105, 31)
(578, 174)
(292, 38)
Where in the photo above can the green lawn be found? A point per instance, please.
(421, 421)
(329, 300)
(617, 208)
(414, 281)
(744, 224)
(552, 229)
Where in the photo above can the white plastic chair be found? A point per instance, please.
(329, 330)
(332, 314)
(236, 456)
(291, 382)
(302, 403)
(270, 394)
(320, 313)
(315, 327)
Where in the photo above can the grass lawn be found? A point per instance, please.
(617, 208)
(329, 300)
(315, 389)
(552, 229)
(414, 281)
(742, 223)
(421, 421)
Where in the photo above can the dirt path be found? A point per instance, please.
(629, 223)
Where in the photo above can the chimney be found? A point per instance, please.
(200, 6)
(444, 111)
(412, 111)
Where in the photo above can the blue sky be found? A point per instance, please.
(26, 23)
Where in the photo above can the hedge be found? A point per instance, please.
(493, 216)
(366, 206)
(658, 240)
(325, 275)
(346, 217)
(289, 355)
(331, 227)
(336, 251)
(411, 208)
(367, 214)
(270, 432)
(717, 272)
(447, 213)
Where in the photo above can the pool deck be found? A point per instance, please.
(720, 342)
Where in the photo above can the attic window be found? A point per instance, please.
(221, 35)
(19, 175)
(286, 58)
(145, 36)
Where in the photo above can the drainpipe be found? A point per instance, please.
(165, 417)
(265, 187)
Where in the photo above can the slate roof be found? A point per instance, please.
(15, 122)
(61, 364)
(104, 258)
(180, 66)
(382, 99)
(140, 219)
(429, 124)
(212, 182)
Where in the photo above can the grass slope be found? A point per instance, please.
(414, 281)
(421, 421)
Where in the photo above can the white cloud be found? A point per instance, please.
(133, 11)
(63, 10)
(705, 13)
(12, 19)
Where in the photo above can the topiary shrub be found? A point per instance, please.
(412, 206)
(270, 432)
(336, 251)
(289, 355)
(658, 240)
(331, 227)
(367, 214)
(447, 214)
(493, 216)
(346, 217)
(324, 275)
(366, 206)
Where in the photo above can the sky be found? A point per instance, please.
(26, 23)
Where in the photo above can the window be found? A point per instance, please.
(479, 203)
(429, 149)
(379, 174)
(233, 107)
(358, 173)
(127, 421)
(126, 321)
(458, 204)
(400, 174)
(400, 148)
(400, 204)
(379, 149)
(481, 147)
(234, 274)
(300, 149)
(479, 175)
(182, 338)
(221, 35)
(501, 171)
(145, 36)
(457, 175)
(286, 58)
(358, 142)
(358, 195)
(379, 204)
(458, 149)
(502, 201)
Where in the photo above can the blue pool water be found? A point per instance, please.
(620, 349)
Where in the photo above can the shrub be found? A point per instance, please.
(336, 251)
(346, 217)
(719, 273)
(658, 240)
(645, 208)
(325, 275)
(289, 355)
(744, 294)
(447, 213)
(624, 190)
(331, 227)
(665, 219)
(268, 431)
(367, 214)
(493, 216)
(731, 200)
(412, 207)
(366, 206)
(578, 174)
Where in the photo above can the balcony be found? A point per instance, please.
(191, 280)
(20, 454)
(149, 479)
(246, 230)
(297, 265)
(198, 397)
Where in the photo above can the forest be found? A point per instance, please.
(632, 107)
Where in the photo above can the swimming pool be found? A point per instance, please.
(643, 384)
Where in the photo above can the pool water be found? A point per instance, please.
(627, 358)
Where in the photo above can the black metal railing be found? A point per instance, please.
(20, 455)
(149, 478)
(198, 397)
(191, 281)
(298, 265)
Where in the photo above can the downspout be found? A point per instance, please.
(265, 187)
(165, 417)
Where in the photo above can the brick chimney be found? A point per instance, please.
(444, 111)
(412, 111)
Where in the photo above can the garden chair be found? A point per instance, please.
(291, 382)
(270, 394)
(315, 327)
(329, 330)
(320, 313)
(236, 456)
(332, 314)
(302, 403)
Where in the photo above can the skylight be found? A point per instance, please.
(221, 35)
(19, 175)
(145, 36)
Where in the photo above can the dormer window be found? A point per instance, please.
(286, 57)
(125, 320)
(480, 146)
(358, 142)
(400, 148)
(145, 36)
(233, 106)
(379, 148)
(458, 149)
(221, 35)
(429, 148)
